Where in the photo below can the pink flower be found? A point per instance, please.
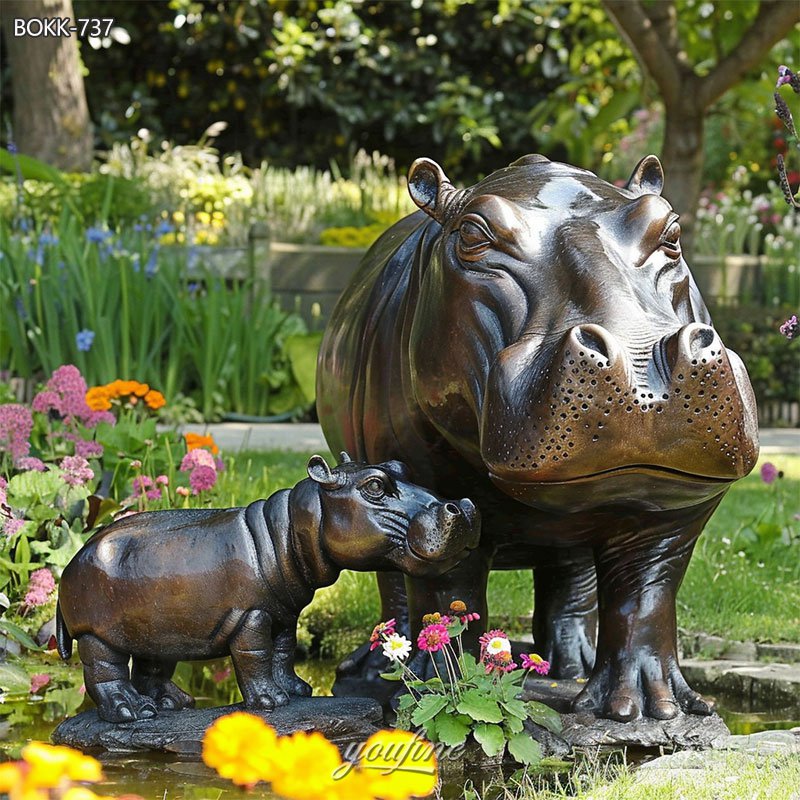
(38, 681)
(433, 638)
(769, 472)
(65, 393)
(88, 449)
(31, 463)
(221, 674)
(494, 641)
(77, 471)
(143, 486)
(162, 480)
(470, 617)
(3, 485)
(791, 328)
(182, 491)
(41, 585)
(381, 630)
(535, 662)
(202, 478)
(197, 458)
(12, 526)
(16, 424)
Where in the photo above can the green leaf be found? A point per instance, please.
(302, 350)
(514, 725)
(516, 708)
(428, 707)
(406, 701)
(29, 487)
(524, 749)
(545, 716)
(31, 168)
(391, 676)
(17, 634)
(481, 708)
(13, 679)
(491, 738)
(452, 729)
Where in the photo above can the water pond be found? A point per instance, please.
(24, 717)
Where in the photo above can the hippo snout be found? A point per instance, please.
(444, 530)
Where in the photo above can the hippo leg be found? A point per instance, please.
(251, 654)
(565, 610)
(106, 677)
(636, 671)
(285, 644)
(153, 678)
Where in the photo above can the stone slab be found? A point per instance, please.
(341, 719)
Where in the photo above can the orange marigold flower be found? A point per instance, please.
(458, 606)
(97, 398)
(50, 764)
(195, 440)
(155, 400)
(242, 748)
(140, 389)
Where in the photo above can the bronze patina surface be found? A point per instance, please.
(537, 342)
(169, 586)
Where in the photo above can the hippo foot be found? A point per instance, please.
(569, 648)
(266, 699)
(628, 687)
(293, 685)
(118, 701)
(170, 697)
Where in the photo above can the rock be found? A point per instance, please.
(342, 719)
(685, 731)
(788, 653)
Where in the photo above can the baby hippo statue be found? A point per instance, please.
(164, 586)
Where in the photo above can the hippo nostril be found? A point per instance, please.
(597, 341)
(699, 338)
(452, 508)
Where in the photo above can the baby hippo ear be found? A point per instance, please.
(319, 471)
(430, 188)
(647, 177)
(344, 458)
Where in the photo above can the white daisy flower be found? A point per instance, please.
(498, 644)
(396, 647)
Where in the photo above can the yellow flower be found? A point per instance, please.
(154, 399)
(51, 763)
(305, 767)
(399, 764)
(241, 747)
(97, 399)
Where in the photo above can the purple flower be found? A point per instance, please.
(769, 472)
(16, 424)
(152, 263)
(791, 328)
(88, 448)
(202, 478)
(12, 147)
(12, 526)
(30, 463)
(97, 235)
(163, 228)
(784, 76)
(47, 239)
(84, 339)
(77, 471)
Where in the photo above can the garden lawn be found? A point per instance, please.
(738, 585)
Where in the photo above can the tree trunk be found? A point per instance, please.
(51, 118)
(682, 157)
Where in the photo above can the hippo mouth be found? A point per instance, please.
(644, 486)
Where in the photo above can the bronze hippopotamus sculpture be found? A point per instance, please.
(168, 586)
(537, 341)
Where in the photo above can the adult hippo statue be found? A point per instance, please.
(537, 342)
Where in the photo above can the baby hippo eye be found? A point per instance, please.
(373, 488)
(671, 240)
(474, 237)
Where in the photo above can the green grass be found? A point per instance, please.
(733, 588)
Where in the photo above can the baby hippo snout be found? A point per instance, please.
(443, 531)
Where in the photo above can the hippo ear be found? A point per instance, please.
(319, 471)
(529, 160)
(344, 458)
(647, 177)
(398, 469)
(429, 188)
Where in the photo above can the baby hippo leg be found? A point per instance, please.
(105, 673)
(251, 654)
(285, 644)
(153, 679)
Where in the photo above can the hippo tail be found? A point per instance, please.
(63, 639)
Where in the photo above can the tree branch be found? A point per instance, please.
(653, 41)
(774, 22)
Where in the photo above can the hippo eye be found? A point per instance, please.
(671, 240)
(373, 488)
(474, 237)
